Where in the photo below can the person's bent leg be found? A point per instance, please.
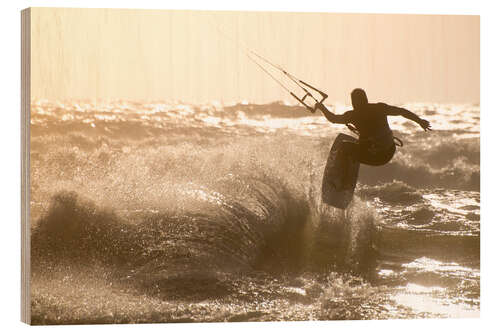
(377, 159)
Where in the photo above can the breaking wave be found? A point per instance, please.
(168, 224)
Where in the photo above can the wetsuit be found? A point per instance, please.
(376, 143)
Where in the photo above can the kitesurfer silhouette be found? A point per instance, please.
(376, 145)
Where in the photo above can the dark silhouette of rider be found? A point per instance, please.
(376, 144)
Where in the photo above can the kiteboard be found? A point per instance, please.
(336, 189)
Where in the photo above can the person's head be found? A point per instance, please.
(358, 98)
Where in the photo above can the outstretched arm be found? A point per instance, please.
(395, 111)
(333, 118)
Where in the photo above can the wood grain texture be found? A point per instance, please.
(25, 164)
(181, 55)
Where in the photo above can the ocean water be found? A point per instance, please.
(173, 212)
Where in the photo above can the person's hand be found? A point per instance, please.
(426, 126)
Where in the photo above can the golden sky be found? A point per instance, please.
(183, 55)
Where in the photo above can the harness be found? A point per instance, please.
(397, 141)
